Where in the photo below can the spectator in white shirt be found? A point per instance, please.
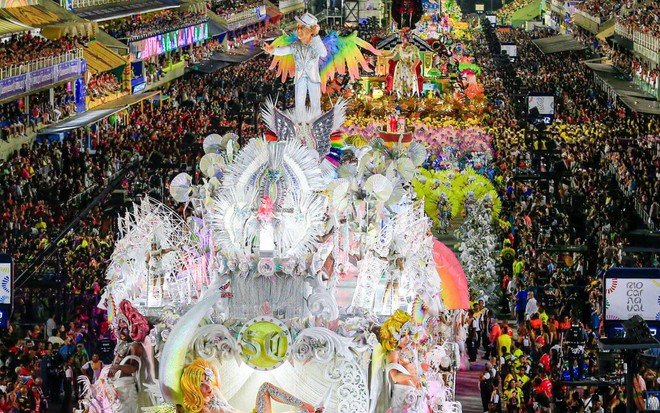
(532, 307)
(55, 338)
(50, 326)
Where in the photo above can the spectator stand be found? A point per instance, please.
(610, 80)
(105, 77)
(517, 12)
(114, 111)
(290, 8)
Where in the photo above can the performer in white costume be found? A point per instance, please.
(306, 53)
(157, 273)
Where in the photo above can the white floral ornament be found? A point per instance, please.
(379, 187)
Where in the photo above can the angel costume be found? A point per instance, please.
(307, 78)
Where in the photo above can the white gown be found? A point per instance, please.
(404, 396)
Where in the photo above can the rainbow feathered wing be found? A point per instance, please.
(286, 67)
(344, 57)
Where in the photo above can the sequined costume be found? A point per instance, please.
(267, 391)
(405, 79)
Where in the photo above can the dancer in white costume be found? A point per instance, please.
(306, 53)
(156, 269)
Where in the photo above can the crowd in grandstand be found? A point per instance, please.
(602, 8)
(146, 25)
(507, 10)
(229, 7)
(556, 295)
(24, 48)
(15, 122)
(102, 84)
(624, 60)
(645, 19)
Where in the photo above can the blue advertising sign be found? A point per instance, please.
(19, 84)
(12, 86)
(40, 78)
(81, 95)
(430, 5)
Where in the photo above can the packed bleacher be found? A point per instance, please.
(146, 25)
(558, 239)
(14, 122)
(20, 49)
(507, 10)
(229, 7)
(645, 19)
(56, 328)
(601, 8)
(102, 84)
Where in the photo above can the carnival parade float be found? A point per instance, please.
(302, 276)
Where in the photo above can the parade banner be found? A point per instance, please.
(17, 85)
(167, 42)
(40, 78)
(11, 86)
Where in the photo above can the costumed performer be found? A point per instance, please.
(200, 384)
(130, 353)
(401, 368)
(405, 81)
(157, 274)
(306, 52)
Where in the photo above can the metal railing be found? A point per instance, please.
(639, 207)
(15, 70)
(79, 4)
(591, 17)
(623, 30)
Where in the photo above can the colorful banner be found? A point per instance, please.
(14, 85)
(167, 42)
(40, 78)
(20, 84)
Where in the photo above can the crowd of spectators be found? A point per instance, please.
(202, 51)
(25, 48)
(558, 236)
(102, 85)
(628, 63)
(229, 7)
(602, 8)
(15, 122)
(146, 25)
(507, 10)
(554, 292)
(645, 18)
